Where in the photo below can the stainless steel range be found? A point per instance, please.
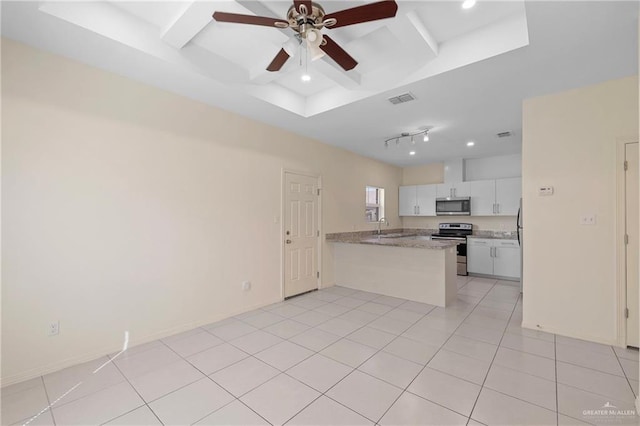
(456, 232)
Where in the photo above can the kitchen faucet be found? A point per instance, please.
(380, 222)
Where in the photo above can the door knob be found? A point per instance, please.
(288, 241)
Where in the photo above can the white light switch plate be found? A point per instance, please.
(588, 219)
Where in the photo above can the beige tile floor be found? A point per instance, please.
(344, 357)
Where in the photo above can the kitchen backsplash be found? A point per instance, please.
(480, 223)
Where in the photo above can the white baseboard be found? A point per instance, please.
(565, 333)
(135, 341)
(327, 285)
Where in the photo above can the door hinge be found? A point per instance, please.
(626, 239)
(318, 233)
(318, 191)
(626, 312)
(318, 274)
(626, 165)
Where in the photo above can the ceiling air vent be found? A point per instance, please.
(400, 99)
(504, 134)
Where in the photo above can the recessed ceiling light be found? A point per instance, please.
(426, 136)
(471, 143)
(305, 77)
(412, 153)
(468, 4)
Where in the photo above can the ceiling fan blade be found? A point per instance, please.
(250, 19)
(278, 61)
(368, 12)
(306, 3)
(338, 54)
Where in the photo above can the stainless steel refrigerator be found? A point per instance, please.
(519, 230)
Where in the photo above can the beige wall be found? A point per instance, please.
(434, 173)
(423, 175)
(569, 142)
(129, 208)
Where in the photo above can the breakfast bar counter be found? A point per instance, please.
(407, 265)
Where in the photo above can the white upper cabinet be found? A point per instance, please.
(496, 197)
(426, 200)
(407, 200)
(417, 200)
(508, 194)
(483, 197)
(488, 197)
(453, 190)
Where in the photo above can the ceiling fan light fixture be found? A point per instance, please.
(315, 52)
(468, 4)
(425, 138)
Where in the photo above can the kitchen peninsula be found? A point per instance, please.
(404, 263)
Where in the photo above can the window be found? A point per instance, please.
(374, 204)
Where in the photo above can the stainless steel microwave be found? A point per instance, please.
(453, 206)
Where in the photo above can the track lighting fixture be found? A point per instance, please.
(411, 137)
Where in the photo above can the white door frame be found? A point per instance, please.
(621, 260)
(282, 215)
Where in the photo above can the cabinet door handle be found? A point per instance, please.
(494, 208)
(418, 209)
(498, 208)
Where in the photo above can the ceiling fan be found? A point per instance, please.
(307, 18)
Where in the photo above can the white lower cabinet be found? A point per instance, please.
(493, 257)
(479, 259)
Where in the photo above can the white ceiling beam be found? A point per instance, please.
(186, 26)
(422, 30)
(410, 31)
(347, 79)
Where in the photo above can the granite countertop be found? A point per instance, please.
(409, 238)
(495, 235)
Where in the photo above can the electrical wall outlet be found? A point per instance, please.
(589, 219)
(246, 285)
(54, 328)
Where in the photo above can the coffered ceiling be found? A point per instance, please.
(469, 69)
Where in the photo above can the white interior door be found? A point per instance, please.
(631, 226)
(300, 234)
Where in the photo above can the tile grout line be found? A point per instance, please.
(283, 372)
(206, 376)
(138, 393)
(624, 372)
(46, 393)
(494, 355)
(363, 362)
(439, 349)
(353, 368)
